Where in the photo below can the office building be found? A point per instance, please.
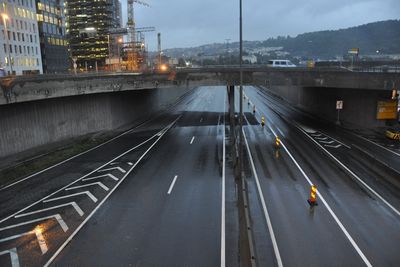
(53, 43)
(19, 39)
(88, 23)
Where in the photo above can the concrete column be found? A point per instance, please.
(232, 130)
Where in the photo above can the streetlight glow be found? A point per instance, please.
(5, 16)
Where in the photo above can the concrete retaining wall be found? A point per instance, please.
(28, 125)
(359, 108)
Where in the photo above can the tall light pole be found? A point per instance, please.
(120, 40)
(109, 52)
(241, 91)
(5, 18)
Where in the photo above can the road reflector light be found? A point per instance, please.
(313, 196)
(277, 142)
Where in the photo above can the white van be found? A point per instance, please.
(282, 63)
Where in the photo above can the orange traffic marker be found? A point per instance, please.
(277, 142)
(313, 196)
(254, 109)
(262, 121)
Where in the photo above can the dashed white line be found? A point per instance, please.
(266, 214)
(111, 169)
(191, 141)
(101, 176)
(86, 185)
(73, 204)
(56, 216)
(172, 185)
(13, 255)
(108, 195)
(90, 195)
(130, 163)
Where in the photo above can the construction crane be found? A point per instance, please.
(133, 46)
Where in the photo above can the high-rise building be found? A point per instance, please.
(53, 43)
(19, 38)
(88, 23)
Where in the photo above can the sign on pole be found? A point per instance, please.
(339, 104)
(354, 51)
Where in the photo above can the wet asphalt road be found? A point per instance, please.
(153, 197)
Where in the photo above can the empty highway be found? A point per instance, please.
(164, 194)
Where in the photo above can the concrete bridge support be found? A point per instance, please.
(30, 125)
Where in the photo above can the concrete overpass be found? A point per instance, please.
(58, 107)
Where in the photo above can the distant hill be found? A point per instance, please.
(369, 38)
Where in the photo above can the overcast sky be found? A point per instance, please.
(186, 23)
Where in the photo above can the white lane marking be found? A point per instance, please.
(86, 185)
(266, 214)
(191, 141)
(73, 204)
(56, 216)
(111, 169)
(90, 195)
(42, 242)
(201, 119)
(337, 146)
(79, 179)
(337, 141)
(223, 261)
(172, 185)
(355, 176)
(13, 255)
(130, 163)
(71, 158)
(39, 237)
(279, 130)
(308, 130)
(101, 176)
(366, 139)
(344, 230)
(317, 135)
(327, 142)
(165, 130)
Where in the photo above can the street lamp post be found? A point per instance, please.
(241, 91)
(5, 18)
(120, 40)
(109, 52)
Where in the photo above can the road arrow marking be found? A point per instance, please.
(101, 176)
(73, 204)
(90, 195)
(13, 255)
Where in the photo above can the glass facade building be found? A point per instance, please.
(88, 23)
(51, 22)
